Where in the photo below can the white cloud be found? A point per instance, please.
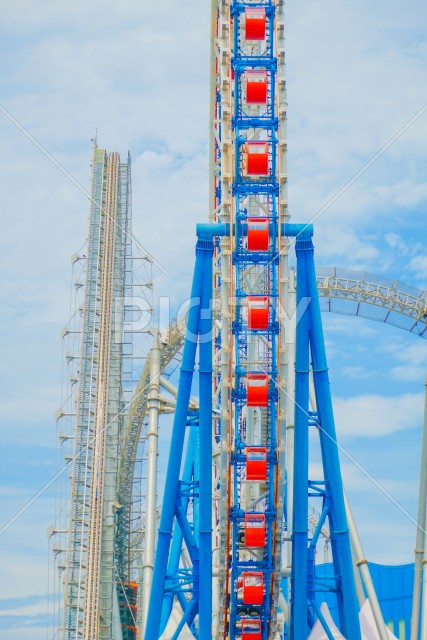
(412, 360)
(358, 372)
(373, 415)
(22, 575)
(29, 633)
(346, 243)
(418, 265)
(354, 90)
(25, 610)
(350, 326)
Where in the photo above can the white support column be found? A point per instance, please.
(365, 574)
(287, 298)
(290, 332)
(153, 407)
(172, 389)
(223, 132)
(357, 580)
(117, 627)
(212, 110)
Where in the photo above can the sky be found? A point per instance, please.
(138, 72)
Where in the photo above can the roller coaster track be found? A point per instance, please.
(374, 297)
(171, 342)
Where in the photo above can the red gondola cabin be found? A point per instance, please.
(256, 161)
(257, 312)
(253, 587)
(254, 530)
(257, 239)
(256, 463)
(251, 629)
(255, 23)
(257, 390)
(256, 86)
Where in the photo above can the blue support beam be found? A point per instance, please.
(331, 464)
(177, 537)
(310, 341)
(205, 450)
(204, 253)
(187, 618)
(299, 576)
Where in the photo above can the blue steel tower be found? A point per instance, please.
(254, 539)
(237, 482)
(233, 456)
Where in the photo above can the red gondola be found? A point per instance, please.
(256, 86)
(253, 587)
(258, 238)
(255, 23)
(256, 161)
(254, 530)
(257, 312)
(257, 389)
(251, 629)
(256, 463)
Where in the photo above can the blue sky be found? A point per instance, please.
(138, 72)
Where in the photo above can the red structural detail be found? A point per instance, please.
(251, 629)
(257, 158)
(133, 587)
(254, 530)
(253, 587)
(257, 234)
(257, 390)
(256, 463)
(255, 23)
(256, 86)
(257, 312)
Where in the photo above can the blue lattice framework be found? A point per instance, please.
(243, 399)
(255, 274)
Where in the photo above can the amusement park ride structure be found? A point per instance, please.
(235, 554)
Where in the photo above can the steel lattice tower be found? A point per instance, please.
(90, 578)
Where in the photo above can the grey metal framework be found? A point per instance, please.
(89, 576)
(373, 297)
